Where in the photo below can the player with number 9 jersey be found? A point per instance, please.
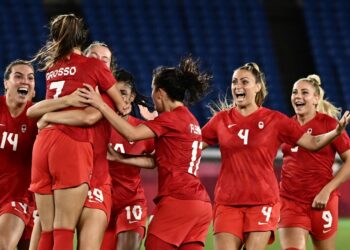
(308, 187)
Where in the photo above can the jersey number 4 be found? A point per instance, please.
(243, 134)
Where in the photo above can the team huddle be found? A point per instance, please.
(70, 164)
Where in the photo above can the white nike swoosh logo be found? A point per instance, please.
(133, 221)
(2, 124)
(93, 201)
(231, 125)
(326, 231)
(262, 223)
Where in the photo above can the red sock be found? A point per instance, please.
(292, 248)
(46, 241)
(63, 239)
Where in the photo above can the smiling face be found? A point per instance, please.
(20, 84)
(244, 88)
(304, 99)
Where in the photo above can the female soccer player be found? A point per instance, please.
(249, 135)
(95, 215)
(63, 155)
(309, 198)
(17, 135)
(127, 226)
(178, 146)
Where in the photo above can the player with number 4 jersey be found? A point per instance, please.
(246, 195)
(178, 145)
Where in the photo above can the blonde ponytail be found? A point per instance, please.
(323, 106)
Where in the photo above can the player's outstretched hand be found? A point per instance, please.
(343, 122)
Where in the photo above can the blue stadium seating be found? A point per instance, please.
(327, 23)
(22, 33)
(146, 34)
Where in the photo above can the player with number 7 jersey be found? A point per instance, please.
(63, 155)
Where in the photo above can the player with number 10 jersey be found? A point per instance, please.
(129, 206)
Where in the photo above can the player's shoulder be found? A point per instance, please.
(273, 113)
(326, 120)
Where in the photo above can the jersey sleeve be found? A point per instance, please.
(104, 76)
(209, 131)
(107, 100)
(289, 130)
(162, 124)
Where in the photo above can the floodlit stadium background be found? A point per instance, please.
(288, 39)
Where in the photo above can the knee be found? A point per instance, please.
(5, 245)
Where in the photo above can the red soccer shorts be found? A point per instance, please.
(132, 217)
(59, 162)
(321, 224)
(100, 198)
(20, 209)
(178, 221)
(129, 218)
(244, 219)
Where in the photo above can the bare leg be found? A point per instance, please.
(34, 239)
(293, 237)
(46, 210)
(257, 240)
(328, 244)
(129, 240)
(11, 230)
(226, 241)
(68, 206)
(91, 228)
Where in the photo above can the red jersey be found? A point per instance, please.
(178, 149)
(248, 146)
(66, 75)
(101, 132)
(305, 173)
(17, 137)
(126, 179)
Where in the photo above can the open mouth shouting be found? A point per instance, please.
(23, 91)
